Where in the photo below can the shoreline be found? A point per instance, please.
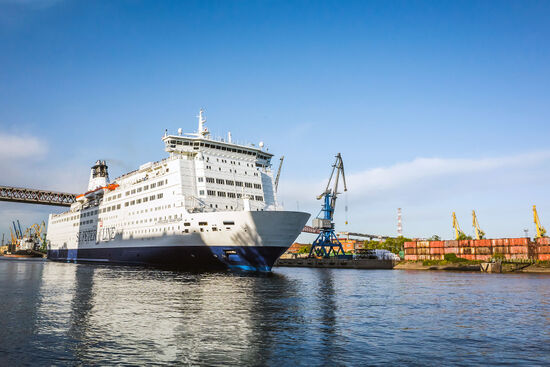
(417, 265)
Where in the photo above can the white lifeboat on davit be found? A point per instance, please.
(90, 195)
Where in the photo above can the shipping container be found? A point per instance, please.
(544, 257)
(543, 249)
(543, 241)
(451, 250)
(410, 244)
(519, 250)
(410, 251)
(411, 257)
(484, 251)
(481, 243)
(437, 251)
(423, 244)
(519, 241)
(452, 243)
(466, 250)
(436, 244)
(501, 250)
(422, 250)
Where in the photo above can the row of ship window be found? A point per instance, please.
(221, 181)
(232, 195)
(146, 187)
(220, 147)
(110, 208)
(231, 170)
(231, 162)
(74, 217)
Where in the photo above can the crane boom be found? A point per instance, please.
(279, 173)
(541, 231)
(458, 232)
(479, 233)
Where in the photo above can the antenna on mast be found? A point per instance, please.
(203, 131)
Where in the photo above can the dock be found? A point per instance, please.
(337, 263)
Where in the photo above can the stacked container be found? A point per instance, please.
(543, 248)
(484, 250)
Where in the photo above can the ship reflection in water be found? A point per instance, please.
(66, 314)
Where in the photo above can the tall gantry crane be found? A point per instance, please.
(458, 232)
(479, 233)
(327, 244)
(541, 232)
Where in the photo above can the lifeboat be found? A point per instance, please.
(89, 195)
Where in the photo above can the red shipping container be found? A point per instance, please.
(543, 241)
(437, 251)
(483, 251)
(411, 257)
(519, 249)
(451, 250)
(422, 251)
(544, 257)
(452, 243)
(423, 244)
(410, 244)
(466, 250)
(518, 241)
(501, 250)
(543, 249)
(437, 244)
(468, 257)
(464, 243)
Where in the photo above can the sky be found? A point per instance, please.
(435, 106)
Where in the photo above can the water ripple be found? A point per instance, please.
(67, 314)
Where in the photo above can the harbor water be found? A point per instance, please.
(72, 314)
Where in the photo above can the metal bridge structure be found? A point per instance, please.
(32, 196)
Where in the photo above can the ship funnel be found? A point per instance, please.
(99, 176)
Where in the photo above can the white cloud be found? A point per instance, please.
(416, 175)
(14, 146)
(420, 170)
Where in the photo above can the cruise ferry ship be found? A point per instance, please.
(211, 204)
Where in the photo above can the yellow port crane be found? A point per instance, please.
(541, 232)
(479, 233)
(458, 232)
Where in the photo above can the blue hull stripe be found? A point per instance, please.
(193, 258)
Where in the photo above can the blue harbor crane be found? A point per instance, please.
(327, 244)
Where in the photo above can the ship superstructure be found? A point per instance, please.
(210, 204)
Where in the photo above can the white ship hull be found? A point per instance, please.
(254, 242)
